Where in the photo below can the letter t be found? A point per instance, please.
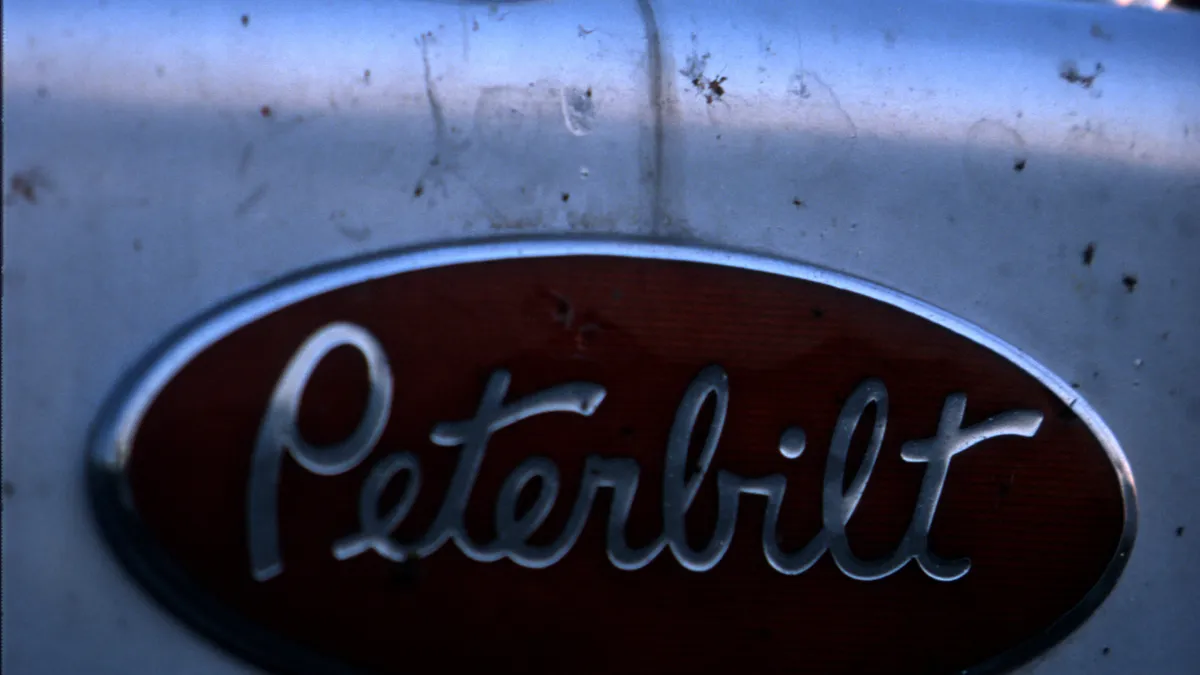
(937, 452)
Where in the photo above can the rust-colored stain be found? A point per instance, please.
(1039, 518)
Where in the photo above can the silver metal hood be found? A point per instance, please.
(1033, 167)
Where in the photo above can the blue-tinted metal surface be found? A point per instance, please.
(1032, 167)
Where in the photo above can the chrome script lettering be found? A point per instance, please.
(279, 436)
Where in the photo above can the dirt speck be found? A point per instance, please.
(583, 32)
(419, 190)
(266, 111)
(566, 197)
(1071, 73)
(475, 25)
(563, 313)
(1099, 33)
(1019, 164)
(28, 185)
(1179, 531)
(711, 89)
(586, 336)
(367, 76)
(137, 245)
(42, 92)
(23, 185)
(818, 313)
(716, 86)
(245, 20)
(1130, 282)
(1106, 651)
(1089, 254)
(798, 203)
(9, 489)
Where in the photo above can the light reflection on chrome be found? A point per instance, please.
(280, 435)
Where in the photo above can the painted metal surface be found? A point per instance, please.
(1031, 167)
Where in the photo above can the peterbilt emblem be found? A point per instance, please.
(549, 455)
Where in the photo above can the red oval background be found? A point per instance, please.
(1040, 518)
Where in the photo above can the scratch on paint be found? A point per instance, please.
(466, 37)
(446, 151)
(435, 106)
(251, 200)
(654, 58)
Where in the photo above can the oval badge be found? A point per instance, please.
(585, 456)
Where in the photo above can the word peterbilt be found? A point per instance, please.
(279, 436)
